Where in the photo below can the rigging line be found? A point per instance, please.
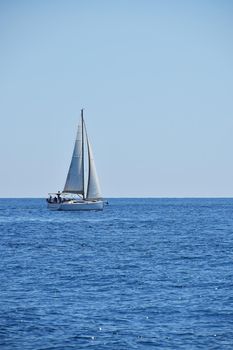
(83, 170)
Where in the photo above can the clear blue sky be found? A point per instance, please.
(155, 79)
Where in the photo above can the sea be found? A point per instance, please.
(142, 274)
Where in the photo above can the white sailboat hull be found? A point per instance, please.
(77, 205)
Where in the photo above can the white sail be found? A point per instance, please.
(93, 186)
(75, 177)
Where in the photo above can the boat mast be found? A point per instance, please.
(83, 170)
(89, 160)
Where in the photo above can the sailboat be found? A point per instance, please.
(80, 192)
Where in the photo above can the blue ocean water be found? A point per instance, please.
(142, 274)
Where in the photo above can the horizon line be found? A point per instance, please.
(140, 197)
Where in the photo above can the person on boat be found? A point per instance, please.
(59, 196)
(49, 200)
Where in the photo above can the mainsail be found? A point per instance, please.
(75, 177)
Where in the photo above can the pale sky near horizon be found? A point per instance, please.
(155, 79)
